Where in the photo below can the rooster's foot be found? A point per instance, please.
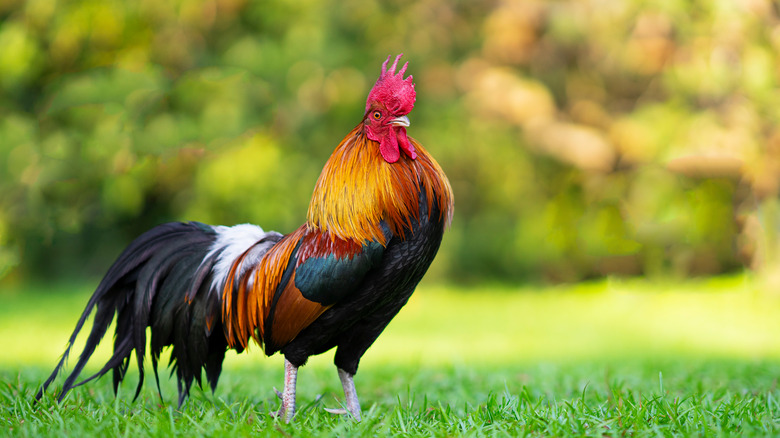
(350, 395)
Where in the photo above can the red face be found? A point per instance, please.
(389, 101)
(390, 131)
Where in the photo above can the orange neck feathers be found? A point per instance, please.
(358, 188)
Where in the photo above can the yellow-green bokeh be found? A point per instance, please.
(582, 138)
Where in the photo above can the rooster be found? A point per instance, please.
(374, 224)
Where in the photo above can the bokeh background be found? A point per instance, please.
(583, 139)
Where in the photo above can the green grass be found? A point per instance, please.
(544, 400)
(601, 359)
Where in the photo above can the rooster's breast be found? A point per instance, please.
(355, 322)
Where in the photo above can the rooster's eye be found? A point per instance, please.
(377, 115)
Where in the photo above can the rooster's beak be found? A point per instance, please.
(400, 121)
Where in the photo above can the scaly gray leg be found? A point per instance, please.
(287, 410)
(350, 396)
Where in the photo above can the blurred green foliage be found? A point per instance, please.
(582, 138)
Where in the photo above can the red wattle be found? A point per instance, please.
(406, 145)
(388, 147)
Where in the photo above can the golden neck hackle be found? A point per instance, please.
(358, 188)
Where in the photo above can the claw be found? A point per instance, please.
(339, 411)
(278, 413)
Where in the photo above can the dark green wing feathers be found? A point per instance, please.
(329, 277)
(320, 272)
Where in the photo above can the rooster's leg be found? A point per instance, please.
(287, 410)
(350, 396)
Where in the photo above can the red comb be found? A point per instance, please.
(392, 90)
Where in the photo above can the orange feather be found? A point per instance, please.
(358, 188)
(293, 313)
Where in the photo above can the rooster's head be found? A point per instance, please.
(391, 99)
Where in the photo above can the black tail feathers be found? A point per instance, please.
(163, 280)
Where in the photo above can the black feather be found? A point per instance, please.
(161, 280)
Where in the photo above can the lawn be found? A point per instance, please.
(608, 358)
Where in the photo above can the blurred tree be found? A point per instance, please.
(582, 138)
